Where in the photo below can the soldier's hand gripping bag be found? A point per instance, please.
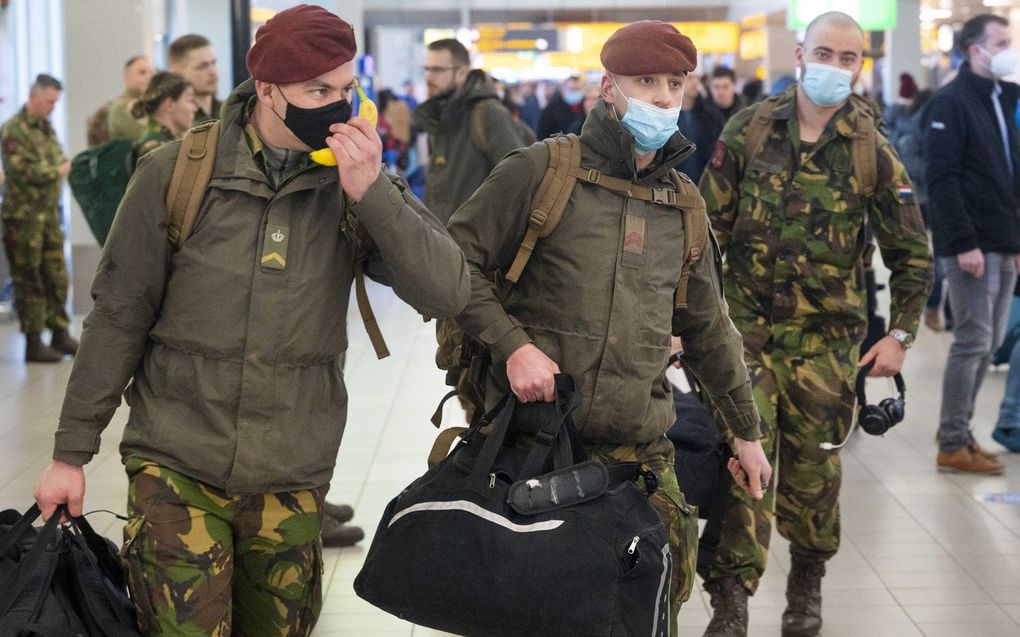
(516, 532)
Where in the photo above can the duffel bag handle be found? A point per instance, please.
(559, 429)
(87, 539)
(46, 538)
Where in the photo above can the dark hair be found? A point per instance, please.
(457, 50)
(162, 85)
(46, 81)
(185, 44)
(724, 71)
(132, 60)
(973, 31)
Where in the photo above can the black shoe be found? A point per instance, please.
(63, 342)
(37, 352)
(803, 614)
(339, 512)
(338, 534)
(729, 608)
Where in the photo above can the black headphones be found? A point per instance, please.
(880, 418)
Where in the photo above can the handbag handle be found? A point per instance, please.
(566, 400)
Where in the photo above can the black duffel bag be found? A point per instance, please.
(518, 534)
(701, 449)
(60, 581)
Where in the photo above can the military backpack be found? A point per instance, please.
(466, 359)
(479, 137)
(99, 177)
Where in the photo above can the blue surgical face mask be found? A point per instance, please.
(573, 97)
(826, 85)
(650, 125)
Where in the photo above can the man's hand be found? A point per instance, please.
(530, 373)
(888, 355)
(358, 152)
(972, 262)
(750, 468)
(676, 347)
(65, 169)
(61, 483)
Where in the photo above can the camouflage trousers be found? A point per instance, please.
(200, 562)
(35, 251)
(680, 518)
(804, 400)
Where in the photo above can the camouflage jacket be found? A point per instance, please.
(597, 294)
(32, 157)
(791, 225)
(120, 120)
(155, 135)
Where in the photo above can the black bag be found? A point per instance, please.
(56, 582)
(491, 542)
(701, 450)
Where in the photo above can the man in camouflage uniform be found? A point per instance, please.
(33, 237)
(233, 342)
(597, 300)
(120, 120)
(790, 221)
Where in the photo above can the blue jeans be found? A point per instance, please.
(1009, 410)
(980, 311)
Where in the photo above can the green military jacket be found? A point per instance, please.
(233, 343)
(155, 135)
(792, 226)
(597, 295)
(121, 122)
(214, 113)
(31, 158)
(457, 163)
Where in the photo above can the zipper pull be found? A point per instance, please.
(633, 545)
(492, 480)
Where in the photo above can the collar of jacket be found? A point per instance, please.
(844, 121)
(611, 149)
(451, 107)
(981, 85)
(235, 161)
(42, 123)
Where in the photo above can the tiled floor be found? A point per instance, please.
(922, 553)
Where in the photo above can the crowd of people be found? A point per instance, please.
(799, 188)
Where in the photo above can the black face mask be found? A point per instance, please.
(311, 125)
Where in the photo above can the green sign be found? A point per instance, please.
(873, 15)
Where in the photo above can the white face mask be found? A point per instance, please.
(1002, 63)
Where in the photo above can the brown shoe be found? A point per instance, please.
(932, 320)
(965, 460)
(984, 453)
(37, 352)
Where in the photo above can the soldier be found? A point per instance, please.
(597, 298)
(168, 105)
(120, 119)
(789, 215)
(234, 341)
(33, 237)
(192, 57)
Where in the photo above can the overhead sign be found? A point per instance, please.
(501, 39)
(873, 15)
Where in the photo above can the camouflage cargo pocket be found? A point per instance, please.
(681, 520)
(131, 559)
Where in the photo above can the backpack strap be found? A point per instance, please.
(367, 315)
(190, 179)
(550, 199)
(478, 135)
(695, 219)
(757, 130)
(864, 152)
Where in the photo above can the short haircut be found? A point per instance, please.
(185, 44)
(132, 60)
(973, 31)
(724, 71)
(458, 51)
(46, 81)
(834, 18)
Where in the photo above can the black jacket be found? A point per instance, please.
(702, 125)
(560, 117)
(972, 196)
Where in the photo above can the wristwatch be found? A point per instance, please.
(905, 338)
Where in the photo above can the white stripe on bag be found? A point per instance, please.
(471, 507)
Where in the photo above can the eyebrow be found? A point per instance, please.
(825, 49)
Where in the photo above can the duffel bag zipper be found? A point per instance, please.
(633, 545)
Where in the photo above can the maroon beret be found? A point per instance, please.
(299, 44)
(648, 46)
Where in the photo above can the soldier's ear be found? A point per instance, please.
(606, 90)
(264, 92)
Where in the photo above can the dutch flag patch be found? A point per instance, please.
(905, 193)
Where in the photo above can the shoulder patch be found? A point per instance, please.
(718, 154)
(10, 145)
(938, 125)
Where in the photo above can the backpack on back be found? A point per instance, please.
(466, 359)
(99, 177)
(525, 136)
